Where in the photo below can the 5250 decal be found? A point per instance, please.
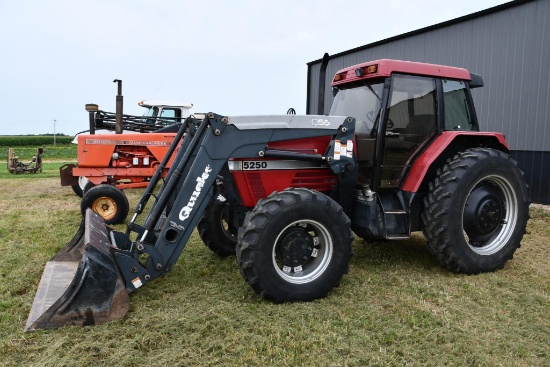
(248, 165)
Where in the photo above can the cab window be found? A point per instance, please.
(171, 115)
(458, 110)
(168, 112)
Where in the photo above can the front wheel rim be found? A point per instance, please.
(302, 251)
(105, 207)
(492, 199)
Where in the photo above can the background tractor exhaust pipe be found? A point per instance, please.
(119, 107)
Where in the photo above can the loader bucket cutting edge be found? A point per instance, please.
(81, 284)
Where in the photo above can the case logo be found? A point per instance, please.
(320, 122)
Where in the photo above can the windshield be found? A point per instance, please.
(151, 112)
(362, 102)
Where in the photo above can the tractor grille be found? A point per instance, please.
(315, 180)
(256, 185)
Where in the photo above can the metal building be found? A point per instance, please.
(508, 45)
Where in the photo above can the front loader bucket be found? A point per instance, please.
(81, 284)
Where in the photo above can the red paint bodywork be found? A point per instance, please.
(386, 67)
(95, 157)
(422, 164)
(254, 185)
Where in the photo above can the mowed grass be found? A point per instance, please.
(396, 307)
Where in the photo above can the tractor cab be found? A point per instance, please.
(398, 112)
(164, 113)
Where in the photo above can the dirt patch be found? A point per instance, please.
(540, 206)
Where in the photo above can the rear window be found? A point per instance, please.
(458, 110)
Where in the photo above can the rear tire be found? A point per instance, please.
(215, 231)
(294, 246)
(476, 211)
(87, 187)
(82, 186)
(77, 190)
(107, 201)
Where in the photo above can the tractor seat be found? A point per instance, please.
(421, 126)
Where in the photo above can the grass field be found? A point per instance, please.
(396, 307)
(25, 141)
(53, 154)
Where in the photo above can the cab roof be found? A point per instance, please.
(385, 67)
(148, 103)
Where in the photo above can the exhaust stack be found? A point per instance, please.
(119, 107)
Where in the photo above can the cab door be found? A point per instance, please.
(410, 121)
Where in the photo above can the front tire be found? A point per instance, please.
(476, 211)
(294, 246)
(216, 230)
(107, 201)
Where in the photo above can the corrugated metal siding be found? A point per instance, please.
(510, 48)
(535, 166)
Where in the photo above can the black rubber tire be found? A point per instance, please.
(107, 201)
(77, 190)
(476, 211)
(287, 218)
(215, 232)
(87, 187)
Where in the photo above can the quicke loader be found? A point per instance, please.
(399, 152)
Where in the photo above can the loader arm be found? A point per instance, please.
(217, 139)
(99, 258)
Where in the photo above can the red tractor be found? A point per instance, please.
(399, 152)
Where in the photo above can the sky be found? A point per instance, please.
(246, 57)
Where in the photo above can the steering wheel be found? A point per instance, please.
(364, 126)
(372, 116)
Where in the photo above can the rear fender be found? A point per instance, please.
(445, 146)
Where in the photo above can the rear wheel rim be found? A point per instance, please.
(105, 207)
(489, 215)
(228, 230)
(302, 251)
(82, 182)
